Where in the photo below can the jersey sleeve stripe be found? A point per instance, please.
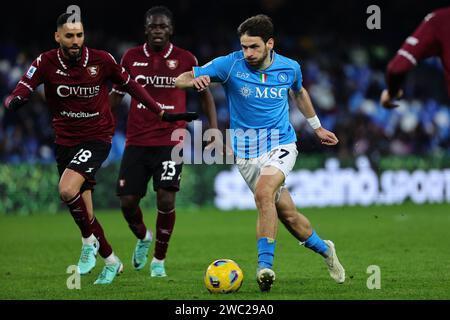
(118, 92)
(407, 55)
(112, 57)
(86, 59)
(126, 82)
(26, 85)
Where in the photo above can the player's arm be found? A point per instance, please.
(200, 77)
(27, 84)
(141, 95)
(305, 106)
(421, 44)
(121, 77)
(186, 80)
(114, 100)
(117, 93)
(13, 102)
(209, 107)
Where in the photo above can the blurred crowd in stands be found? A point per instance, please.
(344, 79)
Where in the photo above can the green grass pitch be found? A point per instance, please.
(409, 243)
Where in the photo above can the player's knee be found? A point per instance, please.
(67, 192)
(264, 195)
(128, 203)
(165, 201)
(166, 204)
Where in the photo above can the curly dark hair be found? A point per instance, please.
(257, 26)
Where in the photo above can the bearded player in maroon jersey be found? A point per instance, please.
(154, 65)
(75, 82)
(431, 38)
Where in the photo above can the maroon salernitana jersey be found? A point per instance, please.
(76, 93)
(431, 38)
(156, 72)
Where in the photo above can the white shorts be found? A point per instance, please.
(282, 157)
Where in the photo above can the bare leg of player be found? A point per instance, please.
(296, 223)
(268, 183)
(300, 227)
(69, 191)
(81, 208)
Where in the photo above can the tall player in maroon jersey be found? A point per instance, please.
(75, 82)
(431, 38)
(154, 65)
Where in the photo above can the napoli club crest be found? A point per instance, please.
(283, 77)
(172, 64)
(93, 70)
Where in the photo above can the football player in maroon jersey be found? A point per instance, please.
(154, 65)
(431, 38)
(75, 82)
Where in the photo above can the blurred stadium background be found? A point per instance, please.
(343, 65)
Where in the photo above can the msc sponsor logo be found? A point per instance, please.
(264, 93)
(80, 92)
(156, 81)
(270, 93)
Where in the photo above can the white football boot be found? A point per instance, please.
(335, 268)
(265, 278)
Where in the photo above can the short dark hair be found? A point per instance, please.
(159, 10)
(63, 18)
(257, 26)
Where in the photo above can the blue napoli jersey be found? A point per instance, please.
(258, 100)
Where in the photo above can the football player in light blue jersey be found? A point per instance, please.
(258, 83)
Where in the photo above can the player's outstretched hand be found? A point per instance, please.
(201, 83)
(13, 103)
(326, 137)
(387, 101)
(186, 116)
(222, 148)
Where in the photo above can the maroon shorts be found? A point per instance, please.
(85, 158)
(140, 164)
